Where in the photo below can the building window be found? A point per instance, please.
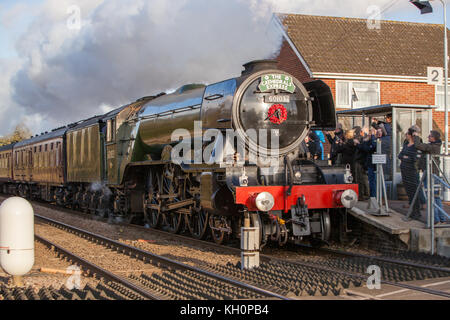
(356, 93)
(440, 98)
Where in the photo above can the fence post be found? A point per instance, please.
(428, 172)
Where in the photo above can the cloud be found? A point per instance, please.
(129, 49)
(8, 108)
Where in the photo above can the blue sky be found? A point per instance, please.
(16, 26)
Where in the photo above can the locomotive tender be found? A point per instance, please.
(121, 164)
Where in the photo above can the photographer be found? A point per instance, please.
(408, 157)
(386, 142)
(360, 162)
(369, 146)
(347, 150)
(335, 142)
(313, 144)
(433, 147)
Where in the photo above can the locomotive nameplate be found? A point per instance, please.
(271, 82)
(277, 99)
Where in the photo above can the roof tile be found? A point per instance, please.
(347, 45)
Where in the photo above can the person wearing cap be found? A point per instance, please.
(433, 147)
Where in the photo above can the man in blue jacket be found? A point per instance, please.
(369, 147)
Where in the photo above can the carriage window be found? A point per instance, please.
(110, 130)
(40, 148)
(51, 146)
(34, 149)
(46, 147)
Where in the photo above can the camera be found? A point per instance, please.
(375, 125)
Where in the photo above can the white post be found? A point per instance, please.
(431, 187)
(446, 161)
(249, 246)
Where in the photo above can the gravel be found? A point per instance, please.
(45, 258)
(164, 245)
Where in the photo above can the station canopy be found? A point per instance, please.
(381, 110)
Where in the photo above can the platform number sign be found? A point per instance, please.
(435, 75)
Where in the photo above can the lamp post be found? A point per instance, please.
(425, 7)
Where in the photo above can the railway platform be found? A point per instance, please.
(415, 234)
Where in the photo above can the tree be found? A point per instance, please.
(21, 132)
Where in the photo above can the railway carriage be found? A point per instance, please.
(6, 172)
(39, 165)
(122, 164)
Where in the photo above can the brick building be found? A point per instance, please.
(380, 66)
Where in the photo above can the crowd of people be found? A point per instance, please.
(355, 148)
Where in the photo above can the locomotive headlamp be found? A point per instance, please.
(349, 198)
(264, 201)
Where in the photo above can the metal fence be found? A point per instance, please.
(432, 187)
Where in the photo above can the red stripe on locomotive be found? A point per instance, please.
(316, 196)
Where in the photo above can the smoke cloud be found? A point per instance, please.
(124, 50)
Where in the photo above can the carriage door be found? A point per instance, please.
(111, 168)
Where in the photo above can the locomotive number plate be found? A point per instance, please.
(277, 99)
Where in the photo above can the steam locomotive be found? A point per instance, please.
(122, 164)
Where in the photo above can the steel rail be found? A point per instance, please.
(97, 269)
(357, 275)
(139, 253)
(241, 284)
(270, 258)
(388, 260)
(236, 250)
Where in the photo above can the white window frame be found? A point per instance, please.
(440, 108)
(350, 93)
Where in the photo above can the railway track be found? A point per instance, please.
(329, 276)
(177, 281)
(127, 288)
(109, 291)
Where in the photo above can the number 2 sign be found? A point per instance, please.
(435, 75)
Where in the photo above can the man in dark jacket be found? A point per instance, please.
(386, 144)
(408, 157)
(369, 146)
(335, 142)
(314, 145)
(360, 161)
(433, 147)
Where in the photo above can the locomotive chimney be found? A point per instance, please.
(259, 65)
